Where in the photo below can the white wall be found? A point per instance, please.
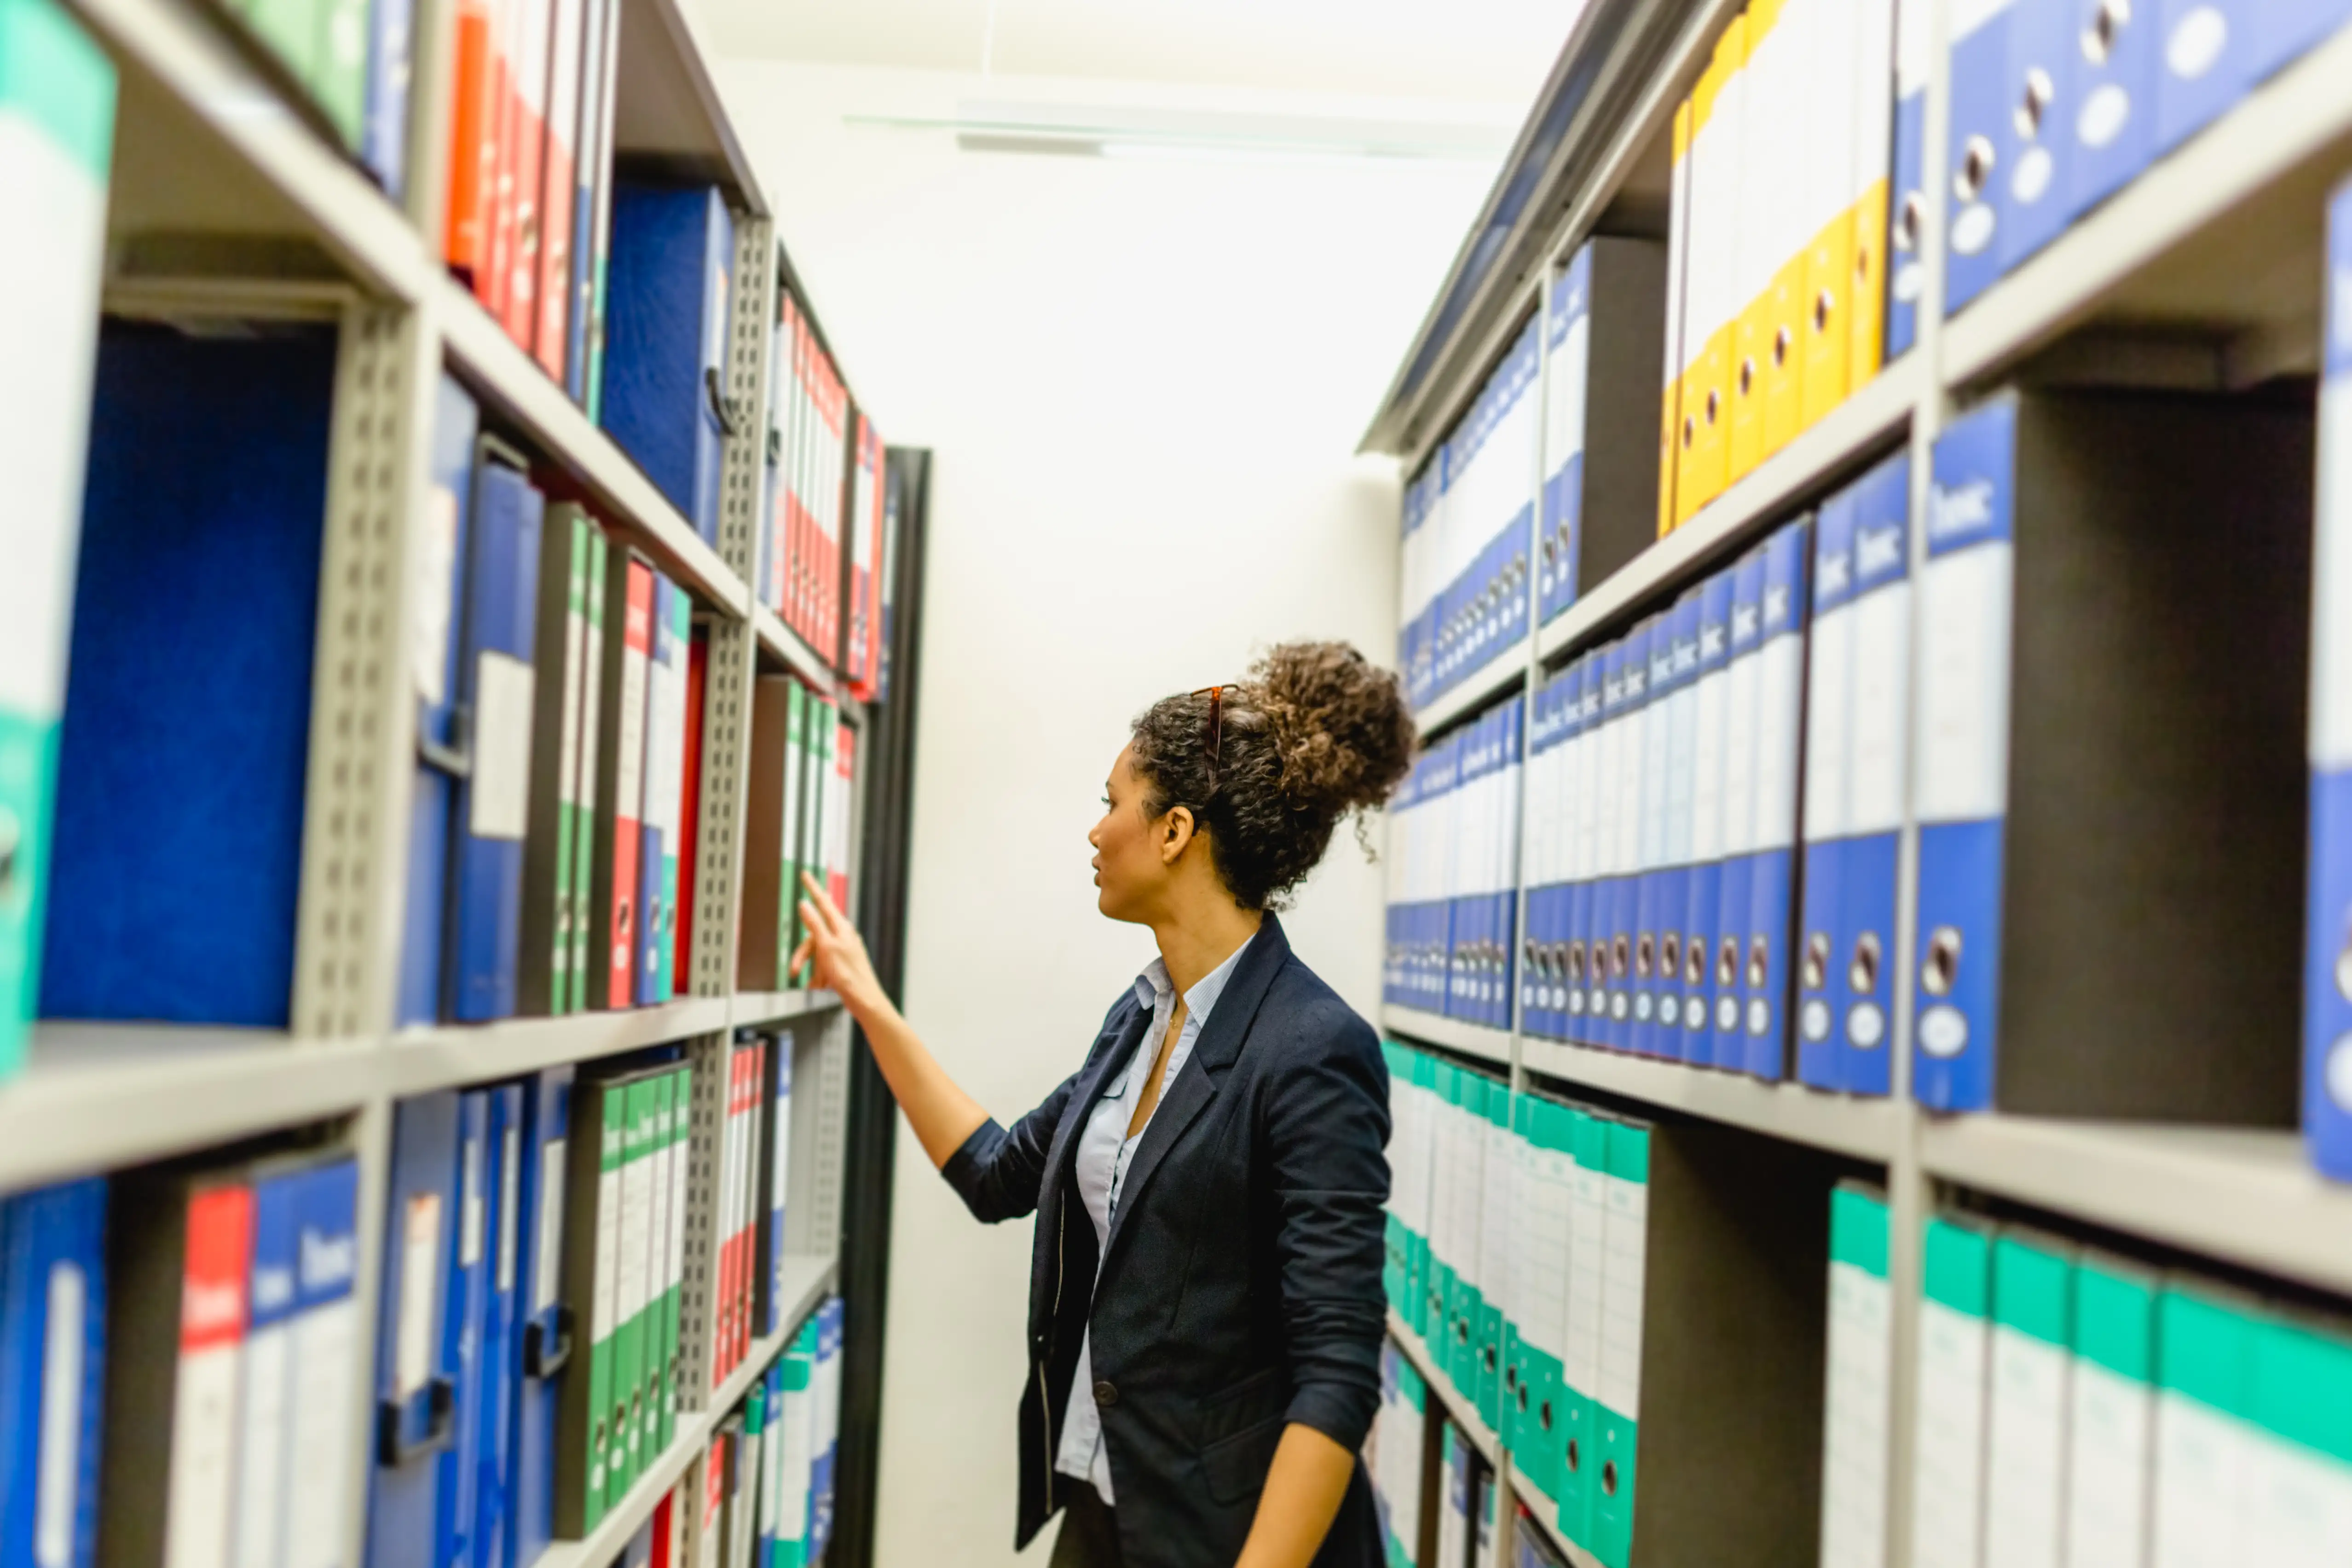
(1142, 384)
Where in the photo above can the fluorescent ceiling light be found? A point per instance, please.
(1165, 134)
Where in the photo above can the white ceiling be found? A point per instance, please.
(1489, 53)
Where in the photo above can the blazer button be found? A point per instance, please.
(1106, 1394)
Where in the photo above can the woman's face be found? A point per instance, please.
(1130, 867)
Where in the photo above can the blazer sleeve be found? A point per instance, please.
(1326, 1128)
(999, 1174)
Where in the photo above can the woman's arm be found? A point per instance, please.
(1301, 1499)
(942, 1115)
(1323, 1130)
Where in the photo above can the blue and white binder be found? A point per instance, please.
(1742, 734)
(265, 1457)
(672, 252)
(1705, 900)
(1861, 974)
(326, 1323)
(1649, 889)
(2206, 63)
(383, 132)
(185, 746)
(2045, 66)
(546, 1323)
(1779, 689)
(437, 623)
(416, 1405)
(1568, 328)
(2327, 939)
(1980, 149)
(1907, 213)
(495, 690)
(1631, 729)
(2114, 119)
(499, 1360)
(1828, 799)
(53, 1304)
(464, 1318)
(1963, 739)
(1674, 879)
(780, 1162)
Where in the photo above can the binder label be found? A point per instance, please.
(549, 1244)
(510, 1198)
(502, 718)
(59, 1471)
(420, 1271)
(436, 594)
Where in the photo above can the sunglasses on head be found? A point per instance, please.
(1216, 696)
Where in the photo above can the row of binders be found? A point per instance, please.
(559, 701)
(560, 756)
(2056, 105)
(822, 564)
(1396, 1454)
(1715, 801)
(534, 215)
(1532, 448)
(1775, 284)
(1662, 813)
(2077, 1405)
(1556, 1260)
(569, 1264)
(1452, 873)
(761, 1494)
(1408, 1432)
(178, 1344)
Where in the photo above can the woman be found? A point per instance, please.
(1205, 1305)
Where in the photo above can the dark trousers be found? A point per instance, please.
(1089, 1537)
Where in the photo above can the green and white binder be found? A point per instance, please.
(1861, 1373)
(2111, 1418)
(57, 142)
(582, 785)
(1617, 1403)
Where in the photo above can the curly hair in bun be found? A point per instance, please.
(1316, 732)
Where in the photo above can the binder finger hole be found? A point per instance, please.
(1943, 963)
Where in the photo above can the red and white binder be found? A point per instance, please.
(527, 138)
(200, 1498)
(559, 180)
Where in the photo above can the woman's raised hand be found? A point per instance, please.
(837, 952)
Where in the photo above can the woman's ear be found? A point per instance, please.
(1176, 830)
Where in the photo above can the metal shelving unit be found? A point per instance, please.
(2206, 273)
(226, 204)
(1842, 1124)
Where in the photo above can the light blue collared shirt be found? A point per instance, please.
(1100, 1161)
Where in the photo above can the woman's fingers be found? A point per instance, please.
(825, 915)
(800, 957)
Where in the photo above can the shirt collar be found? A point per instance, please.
(1153, 984)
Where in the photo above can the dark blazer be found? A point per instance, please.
(1242, 1286)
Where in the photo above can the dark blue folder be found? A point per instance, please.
(545, 1336)
(672, 253)
(52, 1321)
(466, 1243)
(439, 754)
(415, 1407)
(186, 738)
(497, 1367)
(494, 687)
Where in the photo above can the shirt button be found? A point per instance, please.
(1106, 1394)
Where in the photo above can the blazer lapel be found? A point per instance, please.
(1221, 1041)
(1106, 1066)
